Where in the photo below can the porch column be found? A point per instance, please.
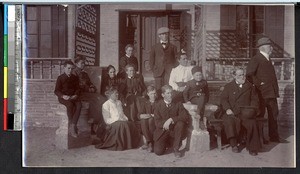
(71, 17)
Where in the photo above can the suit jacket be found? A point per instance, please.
(260, 70)
(162, 113)
(162, 59)
(134, 86)
(193, 88)
(123, 62)
(233, 97)
(67, 85)
(84, 80)
(144, 106)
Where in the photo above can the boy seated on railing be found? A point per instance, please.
(196, 92)
(68, 91)
(88, 93)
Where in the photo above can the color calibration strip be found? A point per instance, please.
(5, 72)
(17, 124)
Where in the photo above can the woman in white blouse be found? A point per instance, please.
(180, 75)
(120, 133)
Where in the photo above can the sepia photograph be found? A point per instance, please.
(158, 85)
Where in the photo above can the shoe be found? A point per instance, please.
(278, 140)
(235, 149)
(150, 148)
(96, 141)
(72, 130)
(253, 153)
(177, 153)
(145, 147)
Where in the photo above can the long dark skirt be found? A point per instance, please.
(120, 135)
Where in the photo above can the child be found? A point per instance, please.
(120, 134)
(196, 92)
(131, 87)
(145, 108)
(67, 91)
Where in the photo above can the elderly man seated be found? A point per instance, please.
(171, 121)
(240, 103)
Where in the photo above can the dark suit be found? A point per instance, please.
(144, 106)
(129, 90)
(162, 60)
(69, 85)
(95, 100)
(261, 70)
(177, 130)
(233, 97)
(197, 93)
(125, 61)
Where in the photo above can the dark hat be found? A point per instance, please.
(196, 69)
(163, 30)
(263, 41)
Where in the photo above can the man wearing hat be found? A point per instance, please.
(162, 58)
(240, 102)
(261, 73)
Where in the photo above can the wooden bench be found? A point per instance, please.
(218, 126)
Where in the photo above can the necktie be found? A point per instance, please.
(164, 44)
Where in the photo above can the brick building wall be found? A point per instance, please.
(41, 103)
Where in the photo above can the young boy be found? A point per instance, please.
(145, 108)
(88, 93)
(67, 91)
(130, 88)
(196, 92)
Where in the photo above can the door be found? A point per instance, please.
(139, 28)
(149, 26)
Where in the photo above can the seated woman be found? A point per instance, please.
(128, 58)
(180, 76)
(146, 114)
(109, 79)
(131, 88)
(120, 134)
(197, 92)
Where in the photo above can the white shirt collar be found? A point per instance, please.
(267, 56)
(127, 56)
(167, 102)
(163, 42)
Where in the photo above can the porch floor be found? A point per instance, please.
(41, 151)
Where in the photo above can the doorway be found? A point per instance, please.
(139, 29)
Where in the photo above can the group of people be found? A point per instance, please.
(127, 108)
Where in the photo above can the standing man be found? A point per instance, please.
(171, 121)
(240, 102)
(162, 58)
(261, 73)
